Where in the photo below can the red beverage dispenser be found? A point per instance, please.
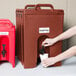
(33, 27)
(7, 41)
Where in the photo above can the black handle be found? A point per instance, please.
(3, 51)
(42, 50)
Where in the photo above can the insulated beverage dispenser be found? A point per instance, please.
(33, 27)
(7, 41)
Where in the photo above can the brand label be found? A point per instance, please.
(44, 30)
(4, 33)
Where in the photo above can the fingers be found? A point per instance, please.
(45, 45)
(48, 62)
(44, 42)
(44, 63)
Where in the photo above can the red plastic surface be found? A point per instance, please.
(29, 39)
(8, 40)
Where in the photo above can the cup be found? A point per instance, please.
(43, 56)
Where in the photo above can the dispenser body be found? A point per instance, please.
(7, 41)
(39, 24)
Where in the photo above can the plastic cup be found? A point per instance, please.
(43, 56)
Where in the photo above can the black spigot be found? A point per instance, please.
(42, 50)
(3, 51)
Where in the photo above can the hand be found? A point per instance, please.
(48, 42)
(47, 62)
